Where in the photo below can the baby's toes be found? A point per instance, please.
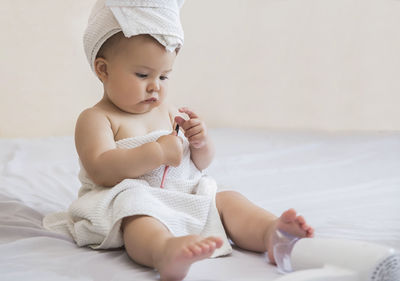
(310, 232)
(300, 220)
(288, 216)
(186, 252)
(195, 249)
(216, 241)
(211, 244)
(305, 227)
(205, 248)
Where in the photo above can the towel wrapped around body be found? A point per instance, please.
(186, 205)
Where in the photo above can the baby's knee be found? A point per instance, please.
(223, 197)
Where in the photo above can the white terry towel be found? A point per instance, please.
(186, 205)
(158, 18)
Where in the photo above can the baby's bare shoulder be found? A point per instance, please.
(92, 114)
(93, 133)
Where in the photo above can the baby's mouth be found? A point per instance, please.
(150, 100)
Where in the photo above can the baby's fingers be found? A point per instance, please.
(193, 131)
(188, 124)
(189, 112)
(180, 121)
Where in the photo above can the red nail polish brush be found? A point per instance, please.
(166, 167)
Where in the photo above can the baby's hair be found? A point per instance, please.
(110, 45)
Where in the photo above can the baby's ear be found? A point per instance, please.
(100, 66)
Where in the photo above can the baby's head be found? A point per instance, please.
(131, 47)
(134, 71)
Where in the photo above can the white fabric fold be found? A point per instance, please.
(186, 205)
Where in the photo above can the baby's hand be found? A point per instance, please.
(195, 129)
(172, 147)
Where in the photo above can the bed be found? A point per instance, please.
(347, 186)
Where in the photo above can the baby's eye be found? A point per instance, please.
(163, 77)
(140, 75)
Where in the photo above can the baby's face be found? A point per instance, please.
(137, 77)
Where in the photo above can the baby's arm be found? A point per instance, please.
(108, 165)
(201, 147)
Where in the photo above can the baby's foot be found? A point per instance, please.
(180, 252)
(291, 223)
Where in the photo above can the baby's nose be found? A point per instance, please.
(154, 86)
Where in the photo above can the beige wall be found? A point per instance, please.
(291, 64)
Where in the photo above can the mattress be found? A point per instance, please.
(345, 185)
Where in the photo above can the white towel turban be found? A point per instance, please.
(158, 18)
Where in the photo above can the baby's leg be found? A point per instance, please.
(251, 227)
(148, 242)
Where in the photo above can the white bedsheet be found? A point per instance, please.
(346, 186)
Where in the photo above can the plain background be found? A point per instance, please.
(277, 64)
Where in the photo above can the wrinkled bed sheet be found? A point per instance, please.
(346, 186)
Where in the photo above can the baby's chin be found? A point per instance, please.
(141, 108)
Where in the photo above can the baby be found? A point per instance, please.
(134, 72)
(124, 143)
